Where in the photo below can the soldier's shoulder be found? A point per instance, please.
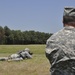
(57, 34)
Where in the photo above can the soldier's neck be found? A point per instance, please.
(69, 25)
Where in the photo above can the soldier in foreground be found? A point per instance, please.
(60, 47)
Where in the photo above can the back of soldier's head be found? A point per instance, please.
(69, 15)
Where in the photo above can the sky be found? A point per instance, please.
(38, 15)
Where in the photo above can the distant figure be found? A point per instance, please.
(21, 55)
(60, 47)
(25, 53)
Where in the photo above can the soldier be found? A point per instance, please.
(60, 47)
(23, 54)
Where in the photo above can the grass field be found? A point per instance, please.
(38, 65)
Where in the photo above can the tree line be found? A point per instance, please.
(8, 36)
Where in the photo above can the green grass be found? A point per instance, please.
(38, 65)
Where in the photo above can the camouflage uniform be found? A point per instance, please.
(60, 51)
(25, 54)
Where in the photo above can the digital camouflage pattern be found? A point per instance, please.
(69, 11)
(60, 50)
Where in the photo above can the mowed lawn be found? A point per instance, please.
(38, 65)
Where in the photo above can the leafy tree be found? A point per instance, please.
(8, 36)
(7, 31)
(1, 35)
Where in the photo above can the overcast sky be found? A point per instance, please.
(38, 15)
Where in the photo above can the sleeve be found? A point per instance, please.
(53, 52)
(28, 55)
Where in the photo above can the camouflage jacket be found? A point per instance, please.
(60, 48)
